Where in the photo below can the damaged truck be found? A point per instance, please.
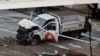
(50, 27)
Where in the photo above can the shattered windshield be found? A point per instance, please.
(39, 21)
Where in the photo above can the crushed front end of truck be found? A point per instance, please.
(25, 32)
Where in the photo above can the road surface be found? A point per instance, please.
(8, 28)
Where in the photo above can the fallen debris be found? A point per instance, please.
(57, 54)
(12, 49)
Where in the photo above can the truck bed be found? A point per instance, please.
(72, 22)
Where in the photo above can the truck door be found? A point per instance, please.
(51, 31)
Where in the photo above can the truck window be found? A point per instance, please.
(51, 20)
(51, 26)
(39, 21)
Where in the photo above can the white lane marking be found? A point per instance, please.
(98, 39)
(59, 46)
(73, 45)
(97, 29)
(84, 41)
(96, 42)
(2, 25)
(8, 31)
(12, 28)
(13, 19)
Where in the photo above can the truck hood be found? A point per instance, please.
(27, 24)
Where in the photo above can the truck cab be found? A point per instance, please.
(48, 25)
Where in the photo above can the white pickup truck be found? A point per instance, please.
(50, 27)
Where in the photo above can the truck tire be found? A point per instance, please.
(76, 34)
(35, 40)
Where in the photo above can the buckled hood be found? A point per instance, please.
(27, 24)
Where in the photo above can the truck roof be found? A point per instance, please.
(46, 16)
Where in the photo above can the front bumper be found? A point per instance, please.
(22, 35)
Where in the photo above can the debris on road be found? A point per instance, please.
(12, 48)
(57, 54)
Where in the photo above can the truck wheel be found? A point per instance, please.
(35, 40)
(76, 34)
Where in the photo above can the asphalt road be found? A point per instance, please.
(8, 28)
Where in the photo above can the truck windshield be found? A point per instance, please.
(39, 21)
